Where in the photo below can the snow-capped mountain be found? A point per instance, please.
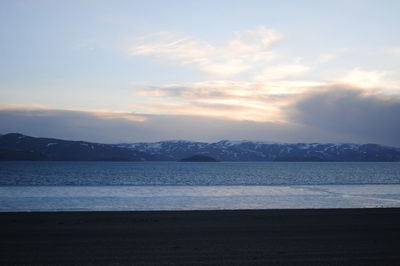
(15, 146)
(227, 150)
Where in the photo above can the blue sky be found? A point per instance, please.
(151, 70)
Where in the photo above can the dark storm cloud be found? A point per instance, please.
(351, 112)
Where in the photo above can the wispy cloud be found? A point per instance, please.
(240, 54)
(231, 100)
(106, 114)
(41, 110)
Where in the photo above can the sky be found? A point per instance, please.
(133, 71)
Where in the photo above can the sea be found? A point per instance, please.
(129, 186)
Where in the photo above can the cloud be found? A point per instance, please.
(350, 112)
(365, 79)
(242, 53)
(78, 125)
(373, 81)
(332, 114)
(269, 89)
(275, 102)
(40, 110)
(89, 126)
(220, 99)
(106, 114)
(262, 100)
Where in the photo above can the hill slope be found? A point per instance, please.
(15, 146)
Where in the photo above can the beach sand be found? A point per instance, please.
(248, 237)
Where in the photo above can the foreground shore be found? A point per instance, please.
(253, 237)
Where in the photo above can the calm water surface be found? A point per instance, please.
(65, 186)
(195, 174)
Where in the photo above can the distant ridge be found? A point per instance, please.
(14, 146)
(227, 150)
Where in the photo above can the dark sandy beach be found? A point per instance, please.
(254, 237)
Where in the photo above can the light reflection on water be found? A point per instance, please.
(69, 198)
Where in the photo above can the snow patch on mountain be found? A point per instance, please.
(245, 150)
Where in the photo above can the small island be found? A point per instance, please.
(199, 158)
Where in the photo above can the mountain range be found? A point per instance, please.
(14, 146)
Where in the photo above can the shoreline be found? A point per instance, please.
(367, 236)
(175, 211)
